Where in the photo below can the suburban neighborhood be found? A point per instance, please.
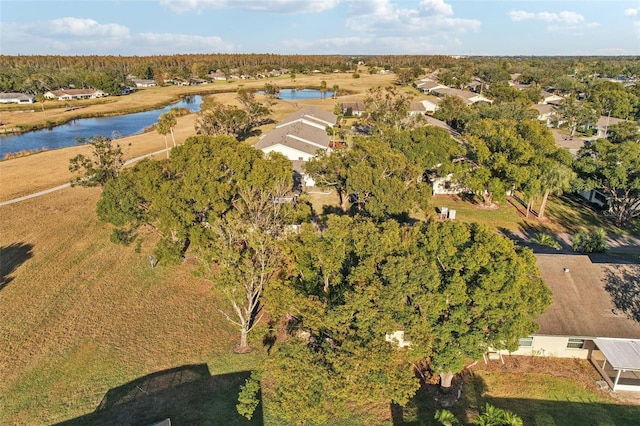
(306, 237)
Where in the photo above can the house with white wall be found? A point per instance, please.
(74, 94)
(16, 98)
(583, 320)
(299, 137)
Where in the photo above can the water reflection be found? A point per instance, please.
(65, 135)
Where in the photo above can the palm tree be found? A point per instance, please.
(555, 181)
(40, 98)
(162, 127)
(171, 121)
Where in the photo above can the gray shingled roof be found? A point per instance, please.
(317, 115)
(582, 307)
(296, 135)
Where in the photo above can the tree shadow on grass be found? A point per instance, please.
(475, 394)
(573, 213)
(622, 282)
(11, 257)
(187, 395)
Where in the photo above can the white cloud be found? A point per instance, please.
(564, 17)
(384, 18)
(183, 43)
(275, 6)
(632, 12)
(371, 45)
(438, 7)
(566, 21)
(76, 36)
(520, 15)
(84, 27)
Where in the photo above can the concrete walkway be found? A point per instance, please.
(67, 185)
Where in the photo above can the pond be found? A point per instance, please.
(302, 94)
(65, 135)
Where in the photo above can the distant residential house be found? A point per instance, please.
(602, 125)
(311, 116)
(583, 320)
(299, 137)
(417, 108)
(476, 85)
(595, 197)
(546, 113)
(468, 97)
(446, 185)
(428, 85)
(74, 94)
(550, 98)
(353, 109)
(430, 105)
(217, 76)
(144, 82)
(16, 98)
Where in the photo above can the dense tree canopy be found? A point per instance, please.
(370, 178)
(454, 289)
(221, 200)
(615, 170)
(507, 155)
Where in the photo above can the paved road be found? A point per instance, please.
(67, 185)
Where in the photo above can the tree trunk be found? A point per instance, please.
(528, 208)
(446, 379)
(173, 138)
(343, 200)
(543, 204)
(166, 146)
(243, 347)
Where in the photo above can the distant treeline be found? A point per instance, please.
(37, 74)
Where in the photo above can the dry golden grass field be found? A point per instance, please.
(81, 317)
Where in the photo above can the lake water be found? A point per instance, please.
(301, 94)
(65, 135)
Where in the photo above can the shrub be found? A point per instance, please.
(546, 240)
(590, 242)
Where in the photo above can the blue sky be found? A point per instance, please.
(455, 27)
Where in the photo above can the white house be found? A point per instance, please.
(470, 98)
(353, 109)
(550, 98)
(430, 105)
(546, 113)
(583, 321)
(299, 137)
(427, 85)
(16, 98)
(144, 82)
(74, 94)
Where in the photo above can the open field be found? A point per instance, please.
(82, 316)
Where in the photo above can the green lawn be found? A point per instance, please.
(540, 391)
